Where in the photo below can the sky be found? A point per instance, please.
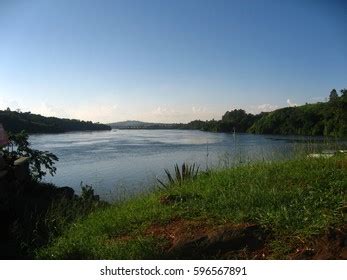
(168, 60)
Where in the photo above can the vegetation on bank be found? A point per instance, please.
(284, 206)
(32, 212)
(319, 119)
(40, 162)
(143, 125)
(16, 121)
(328, 119)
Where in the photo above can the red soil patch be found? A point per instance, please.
(177, 229)
(342, 163)
(243, 241)
(198, 239)
(194, 239)
(330, 246)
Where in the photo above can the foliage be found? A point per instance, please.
(323, 118)
(187, 172)
(63, 211)
(333, 95)
(88, 193)
(33, 213)
(16, 121)
(238, 120)
(326, 119)
(40, 162)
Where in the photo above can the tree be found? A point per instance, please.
(40, 162)
(333, 95)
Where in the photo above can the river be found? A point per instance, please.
(119, 163)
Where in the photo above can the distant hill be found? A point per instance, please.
(14, 121)
(143, 125)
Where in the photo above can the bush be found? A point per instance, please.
(40, 162)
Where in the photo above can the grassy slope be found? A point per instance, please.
(296, 199)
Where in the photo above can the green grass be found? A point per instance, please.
(299, 198)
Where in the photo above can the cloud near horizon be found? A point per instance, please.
(256, 109)
(5, 103)
(291, 104)
(107, 112)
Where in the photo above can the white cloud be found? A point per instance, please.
(49, 110)
(7, 103)
(168, 114)
(198, 110)
(163, 114)
(267, 107)
(99, 112)
(161, 111)
(290, 103)
(107, 112)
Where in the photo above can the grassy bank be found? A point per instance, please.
(33, 213)
(289, 207)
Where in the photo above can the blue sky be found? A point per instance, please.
(168, 60)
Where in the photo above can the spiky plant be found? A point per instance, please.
(187, 172)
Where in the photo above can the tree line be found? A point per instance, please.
(16, 121)
(319, 119)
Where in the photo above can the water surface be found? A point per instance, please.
(123, 162)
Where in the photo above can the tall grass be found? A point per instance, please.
(35, 213)
(299, 198)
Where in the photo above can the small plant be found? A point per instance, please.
(187, 172)
(40, 162)
(88, 193)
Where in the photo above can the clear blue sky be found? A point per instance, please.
(168, 60)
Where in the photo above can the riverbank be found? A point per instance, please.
(271, 210)
(318, 119)
(17, 121)
(32, 213)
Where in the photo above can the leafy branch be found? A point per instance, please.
(40, 162)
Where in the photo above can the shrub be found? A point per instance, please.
(40, 162)
(187, 172)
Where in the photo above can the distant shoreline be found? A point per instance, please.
(16, 121)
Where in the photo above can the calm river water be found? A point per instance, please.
(122, 162)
